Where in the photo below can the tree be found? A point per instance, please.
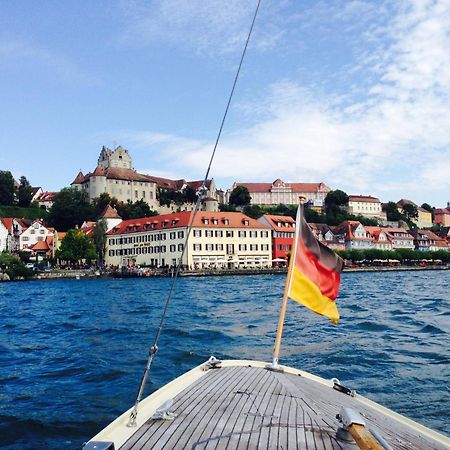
(99, 236)
(24, 193)
(392, 212)
(189, 194)
(76, 246)
(7, 188)
(335, 199)
(12, 265)
(70, 208)
(410, 211)
(240, 196)
(140, 208)
(334, 203)
(253, 211)
(101, 202)
(223, 207)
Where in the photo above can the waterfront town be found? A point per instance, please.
(142, 221)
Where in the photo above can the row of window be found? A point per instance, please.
(230, 233)
(280, 234)
(145, 250)
(219, 247)
(26, 238)
(146, 238)
(40, 231)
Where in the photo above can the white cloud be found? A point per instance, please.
(208, 27)
(393, 142)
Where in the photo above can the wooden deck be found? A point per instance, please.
(254, 408)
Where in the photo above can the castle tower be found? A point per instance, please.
(114, 158)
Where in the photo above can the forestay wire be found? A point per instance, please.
(203, 189)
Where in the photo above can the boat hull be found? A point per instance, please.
(244, 405)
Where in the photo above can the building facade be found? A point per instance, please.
(285, 193)
(366, 206)
(115, 176)
(35, 233)
(282, 232)
(442, 216)
(424, 217)
(217, 239)
(354, 235)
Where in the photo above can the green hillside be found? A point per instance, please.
(25, 213)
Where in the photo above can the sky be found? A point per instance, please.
(354, 93)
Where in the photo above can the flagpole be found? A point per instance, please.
(276, 350)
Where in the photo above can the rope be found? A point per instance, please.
(154, 347)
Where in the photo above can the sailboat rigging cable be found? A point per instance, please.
(154, 347)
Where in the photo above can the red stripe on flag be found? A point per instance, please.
(327, 280)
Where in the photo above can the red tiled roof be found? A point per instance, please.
(41, 246)
(167, 183)
(99, 172)
(79, 178)
(46, 196)
(182, 219)
(110, 213)
(7, 222)
(363, 198)
(274, 219)
(177, 185)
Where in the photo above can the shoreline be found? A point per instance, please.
(94, 274)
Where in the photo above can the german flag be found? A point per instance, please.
(314, 272)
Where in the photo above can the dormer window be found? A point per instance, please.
(215, 221)
(225, 221)
(245, 221)
(205, 221)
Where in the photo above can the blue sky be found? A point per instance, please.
(352, 93)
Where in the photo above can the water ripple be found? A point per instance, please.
(72, 352)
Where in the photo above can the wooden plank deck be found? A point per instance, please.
(253, 408)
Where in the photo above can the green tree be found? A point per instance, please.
(226, 208)
(70, 208)
(99, 236)
(410, 211)
(24, 193)
(240, 196)
(101, 202)
(7, 188)
(312, 216)
(75, 247)
(253, 211)
(335, 199)
(189, 194)
(139, 209)
(392, 212)
(12, 265)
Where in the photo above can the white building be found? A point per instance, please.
(217, 239)
(5, 235)
(400, 238)
(354, 235)
(36, 232)
(285, 193)
(366, 206)
(115, 176)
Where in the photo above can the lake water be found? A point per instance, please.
(72, 352)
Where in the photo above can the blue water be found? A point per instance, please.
(72, 352)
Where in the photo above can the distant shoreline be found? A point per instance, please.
(90, 274)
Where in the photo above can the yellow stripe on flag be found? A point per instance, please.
(307, 293)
